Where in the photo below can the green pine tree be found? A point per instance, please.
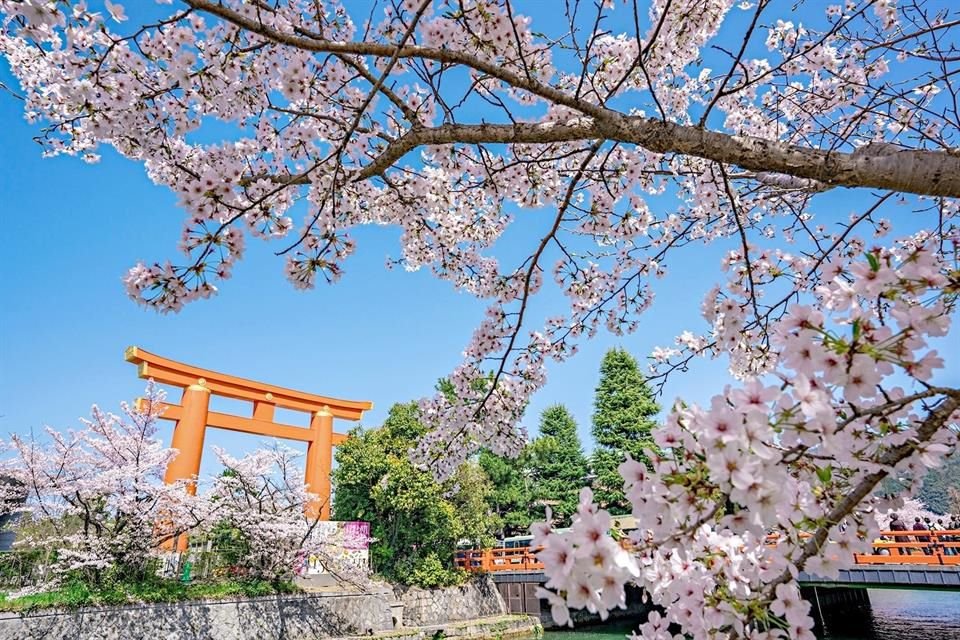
(624, 408)
(935, 491)
(558, 462)
(510, 497)
(939, 490)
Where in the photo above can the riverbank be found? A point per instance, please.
(890, 615)
(97, 623)
(506, 627)
(467, 612)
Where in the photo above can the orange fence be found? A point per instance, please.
(893, 547)
(914, 547)
(490, 560)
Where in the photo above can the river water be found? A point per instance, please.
(893, 615)
(900, 615)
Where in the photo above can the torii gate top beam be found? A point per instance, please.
(166, 371)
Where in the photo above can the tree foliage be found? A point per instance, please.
(97, 508)
(510, 498)
(558, 465)
(416, 522)
(94, 495)
(935, 491)
(954, 505)
(624, 408)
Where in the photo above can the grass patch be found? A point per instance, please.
(78, 594)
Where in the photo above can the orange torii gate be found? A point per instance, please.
(193, 416)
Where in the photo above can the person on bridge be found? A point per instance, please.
(952, 526)
(918, 525)
(940, 527)
(896, 524)
(938, 539)
(880, 550)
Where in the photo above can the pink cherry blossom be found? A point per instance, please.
(629, 150)
(108, 476)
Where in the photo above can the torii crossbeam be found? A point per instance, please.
(193, 416)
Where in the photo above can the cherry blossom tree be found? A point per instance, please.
(263, 497)
(797, 452)
(640, 132)
(911, 509)
(95, 500)
(95, 496)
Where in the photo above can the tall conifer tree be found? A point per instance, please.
(624, 408)
(510, 498)
(559, 463)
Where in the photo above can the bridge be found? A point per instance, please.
(922, 552)
(927, 560)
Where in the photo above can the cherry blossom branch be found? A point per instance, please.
(910, 171)
(931, 425)
(906, 170)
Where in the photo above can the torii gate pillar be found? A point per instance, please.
(320, 461)
(188, 435)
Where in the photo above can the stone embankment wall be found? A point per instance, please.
(455, 612)
(478, 598)
(293, 617)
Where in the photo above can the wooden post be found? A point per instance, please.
(319, 463)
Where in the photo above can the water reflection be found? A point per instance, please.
(899, 615)
(893, 615)
(613, 631)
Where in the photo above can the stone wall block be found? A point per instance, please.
(46, 626)
(255, 619)
(475, 599)
(290, 617)
(332, 616)
(186, 621)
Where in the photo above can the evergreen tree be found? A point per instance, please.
(938, 491)
(510, 499)
(558, 462)
(510, 496)
(622, 423)
(416, 522)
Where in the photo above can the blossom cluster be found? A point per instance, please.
(778, 474)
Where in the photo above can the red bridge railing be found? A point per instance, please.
(893, 547)
(490, 560)
(914, 547)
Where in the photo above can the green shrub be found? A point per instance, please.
(429, 572)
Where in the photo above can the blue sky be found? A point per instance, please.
(70, 231)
